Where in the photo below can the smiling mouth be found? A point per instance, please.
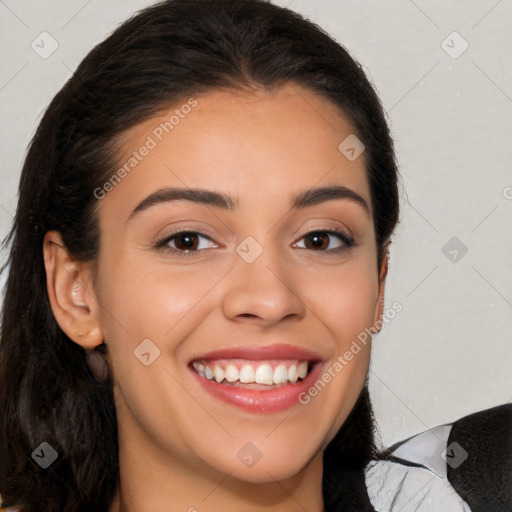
(261, 374)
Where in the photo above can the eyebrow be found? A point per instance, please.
(304, 199)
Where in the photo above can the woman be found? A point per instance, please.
(201, 237)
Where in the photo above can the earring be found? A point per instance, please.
(96, 365)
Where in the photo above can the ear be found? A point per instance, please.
(379, 310)
(71, 294)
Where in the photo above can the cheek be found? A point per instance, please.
(150, 300)
(345, 300)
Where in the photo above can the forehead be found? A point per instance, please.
(250, 144)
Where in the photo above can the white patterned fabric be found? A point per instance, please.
(398, 487)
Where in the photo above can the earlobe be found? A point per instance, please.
(70, 292)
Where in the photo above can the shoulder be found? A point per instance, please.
(465, 466)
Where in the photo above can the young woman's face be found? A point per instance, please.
(264, 280)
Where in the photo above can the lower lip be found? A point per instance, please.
(256, 400)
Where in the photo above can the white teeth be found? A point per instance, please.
(280, 374)
(218, 373)
(302, 370)
(247, 374)
(231, 373)
(264, 374)
(292, 373)
(253, 373)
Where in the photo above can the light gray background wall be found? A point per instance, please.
(448, 352)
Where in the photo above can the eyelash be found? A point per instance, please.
(163, 243)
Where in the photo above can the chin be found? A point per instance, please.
(280, 465)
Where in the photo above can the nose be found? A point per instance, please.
(262, 291)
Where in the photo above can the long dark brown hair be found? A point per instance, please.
(172, 50)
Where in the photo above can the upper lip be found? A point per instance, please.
(258, 353)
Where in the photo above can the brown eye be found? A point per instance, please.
(321, 240)
(186, 241)
(317, 240)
